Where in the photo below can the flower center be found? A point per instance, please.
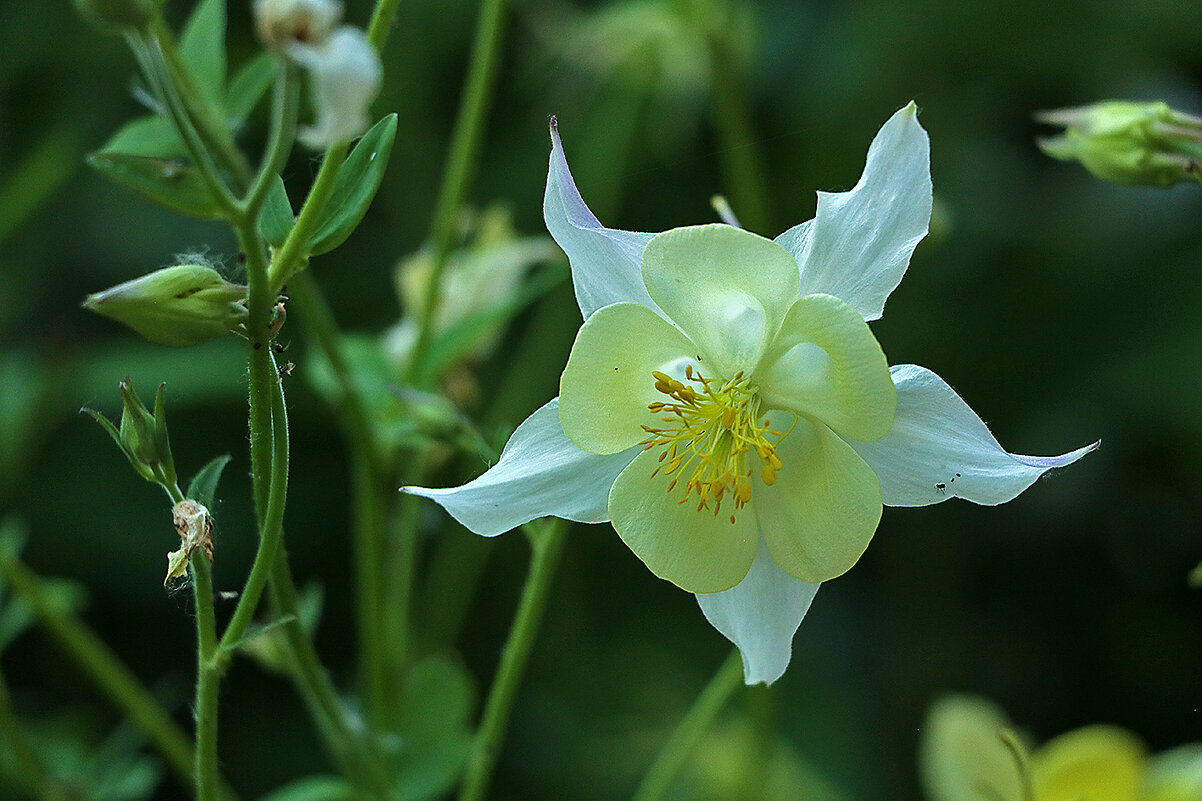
(712, 427)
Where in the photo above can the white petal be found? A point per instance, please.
(606, 263)
(940, 449)
(760, 615)
(345, 74)
(859, 243)
(540, 473)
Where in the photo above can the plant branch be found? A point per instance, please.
(546, 541)
(680, 745)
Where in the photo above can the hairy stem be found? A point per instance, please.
(546, 540)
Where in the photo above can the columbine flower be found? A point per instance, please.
(345, 74)
(970, 752)
(727, 407)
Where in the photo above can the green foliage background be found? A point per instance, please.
(1062, 309)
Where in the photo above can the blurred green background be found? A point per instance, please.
(1063, 309)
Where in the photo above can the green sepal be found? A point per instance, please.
(276, 219)
(161, 443)
(203, 488)
(168, 183)
(355, 187)
(152, 135)
(202, 48)
(247, 88)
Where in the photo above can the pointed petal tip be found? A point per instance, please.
(1064, 460)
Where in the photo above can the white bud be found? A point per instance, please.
(285, 22)
(345, 74)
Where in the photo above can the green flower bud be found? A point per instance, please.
(176, 306)
(142, 436)
(116, 15)
(1128, 143)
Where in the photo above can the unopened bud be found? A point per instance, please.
(142, 436)
(113, 16)
(1128, 143)
(344, 74)
(176, 306)
(281, 23)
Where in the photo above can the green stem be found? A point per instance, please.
(368, 515)
(381, 22)
(676, 751)
(208, 679)
(546, 541)
(1018, 752)
(209, 122)
(741, 165)
(24, 760)
(368, 477)
(345, 742)
(268, 440)
(285, 107)
(465, 148)
(291, 255)
(160, 76)
(100, 665)
(400, 568)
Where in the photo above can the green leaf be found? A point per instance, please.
(277, 219)
(355, 187)
(202, 48)
(313, 788)
(168, 183)
(460, 339)
(248, 87)
(203, 488)
(258, 631)
(433, 730)
(151, 135)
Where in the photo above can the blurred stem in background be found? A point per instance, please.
(546, 542)
(682, 742)
(103, 668)
(742, 167)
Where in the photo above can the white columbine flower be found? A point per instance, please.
(345, 74)
(726, 406)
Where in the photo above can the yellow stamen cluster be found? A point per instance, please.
(711, 430)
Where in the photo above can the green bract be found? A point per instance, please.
(732, 318)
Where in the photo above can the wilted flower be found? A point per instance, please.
(1128, 143)
(281, 23)
(195, 527)
(345, 74)
(727, 407)
(178, 306)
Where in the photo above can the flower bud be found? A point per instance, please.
(142, 436)
(112, 16)
(344, 74)
(176, 306)
(281, 23)
(1128, 143)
